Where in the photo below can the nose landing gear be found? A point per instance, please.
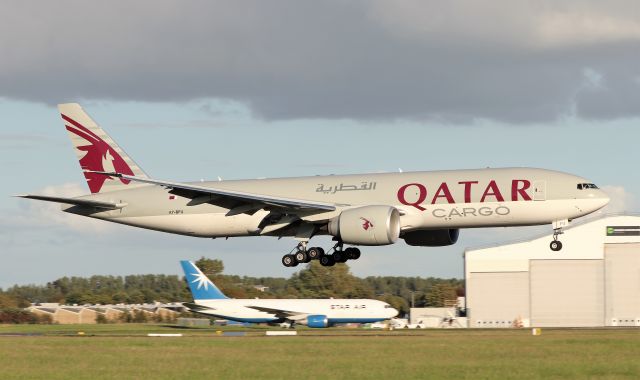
(558, 227)
(555, 245)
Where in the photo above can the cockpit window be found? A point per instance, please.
(585, 186)
(387, 306)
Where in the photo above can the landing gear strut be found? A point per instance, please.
(300, 254)
(339, 255)
(558, 226)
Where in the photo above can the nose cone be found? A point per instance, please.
(602, 199)
(391, 312)
(594, 201)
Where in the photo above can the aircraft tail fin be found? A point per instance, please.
(201, 287)
(97, 151)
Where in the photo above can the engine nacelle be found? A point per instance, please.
(368, 225)
(431, 238)
(317, 321)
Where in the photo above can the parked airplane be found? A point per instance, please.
(209, 300)
(423, 208)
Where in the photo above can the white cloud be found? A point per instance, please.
(590, 25)
(621, 200)
(543, 24)
(46, 214)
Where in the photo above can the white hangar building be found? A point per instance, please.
(593, 281)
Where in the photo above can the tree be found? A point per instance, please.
(101, 319)
(79, 298)
(317, 281)
(397, 302)
(7, 301)
(210, 267)
(440, 293)
(139, 316)
(136, 296)
(125, 317)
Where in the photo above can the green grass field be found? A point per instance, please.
(123, 351)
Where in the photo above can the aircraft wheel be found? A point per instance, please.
(289, 261)
(352, 253)
(315, 253)
(302, 257)
(555, 245)
(340, 256)
(348, 253)
(327, 261)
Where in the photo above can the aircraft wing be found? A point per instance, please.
(75, 201)
(236, 201)
(195, 307)
(280, 313)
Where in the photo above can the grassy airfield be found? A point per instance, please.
(124, 351)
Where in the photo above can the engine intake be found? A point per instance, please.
(368, 225)
(431, 238)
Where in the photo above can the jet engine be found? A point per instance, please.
(431, 238)
(368, 225)
(317, 321)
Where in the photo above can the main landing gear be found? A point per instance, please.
(558, 226)
(335, 255)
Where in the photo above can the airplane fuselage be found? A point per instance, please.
(427, 200)
(335, 310)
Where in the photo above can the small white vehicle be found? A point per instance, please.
(403, 323)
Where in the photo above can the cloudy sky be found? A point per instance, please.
(247, 89)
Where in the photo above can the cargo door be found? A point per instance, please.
(539, 190)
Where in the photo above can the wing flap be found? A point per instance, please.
(195, 307)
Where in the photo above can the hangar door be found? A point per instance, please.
(496, 299)
(567, 293)
(622, 277)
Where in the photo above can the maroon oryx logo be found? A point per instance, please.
(99, 156)
(366, 224)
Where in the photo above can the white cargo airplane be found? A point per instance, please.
(423, 208)
(209, 300)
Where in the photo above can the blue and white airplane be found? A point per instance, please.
(318, 313)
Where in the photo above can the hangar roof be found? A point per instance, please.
(583, 240)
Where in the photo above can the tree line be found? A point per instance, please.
(314, 281)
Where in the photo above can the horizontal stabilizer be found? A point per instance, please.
(75, 201)
(195, 307)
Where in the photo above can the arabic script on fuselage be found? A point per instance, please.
(364, 186)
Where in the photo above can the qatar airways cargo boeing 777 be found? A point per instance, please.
(422, 208)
